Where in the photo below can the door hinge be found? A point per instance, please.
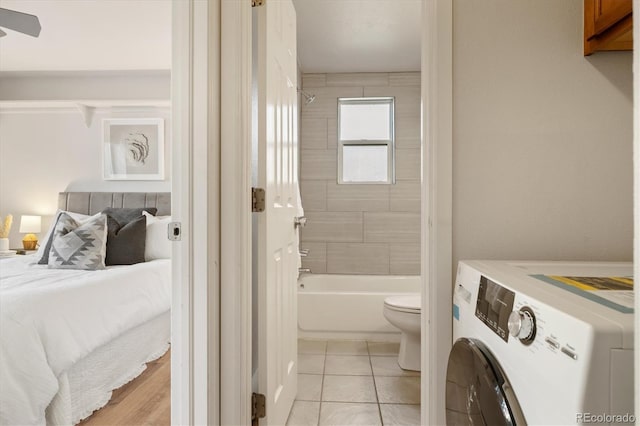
(258, 407)
(255, 3)
(257, 200)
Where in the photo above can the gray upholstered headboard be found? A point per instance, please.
(94, 202)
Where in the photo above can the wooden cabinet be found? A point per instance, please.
(608, 25)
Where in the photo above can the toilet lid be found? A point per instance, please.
(411, 302)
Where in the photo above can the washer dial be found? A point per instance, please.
(522, 324)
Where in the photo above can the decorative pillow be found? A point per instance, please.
(125, 243)
(45, 247)
(79, 245)
(126, 215)
(158, 245)
(45, 242)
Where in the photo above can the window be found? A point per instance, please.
(365, 140)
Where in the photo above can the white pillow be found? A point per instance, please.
(157, 244)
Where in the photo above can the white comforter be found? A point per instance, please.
(51, 318)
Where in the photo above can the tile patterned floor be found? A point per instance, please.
(354, 383)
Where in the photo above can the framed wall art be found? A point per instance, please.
(133, 148)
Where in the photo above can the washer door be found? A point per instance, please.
(478, 392)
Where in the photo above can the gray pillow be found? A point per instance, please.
(121, 217)
(126, 243)
(126, 215)
(79, 246)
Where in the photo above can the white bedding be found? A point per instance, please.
(51, 318)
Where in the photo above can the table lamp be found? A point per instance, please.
(30, 225)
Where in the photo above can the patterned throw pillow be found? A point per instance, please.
(45, 246)
(79, 246)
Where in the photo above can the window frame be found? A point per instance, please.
(389, 143)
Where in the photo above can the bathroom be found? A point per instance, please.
(360, 170)
(517, 172)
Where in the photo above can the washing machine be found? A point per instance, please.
(541, 343)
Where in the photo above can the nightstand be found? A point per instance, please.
(8, 256)
(21, 251)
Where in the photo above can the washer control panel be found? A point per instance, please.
(493, 306)
(505, 308)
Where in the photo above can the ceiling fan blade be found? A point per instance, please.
(21, 22)
(2, 33)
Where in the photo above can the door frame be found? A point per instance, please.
(211, 315)
(436, 211)
(236, 308)
(636, 192)
(195, 187)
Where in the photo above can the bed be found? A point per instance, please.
(70, 337)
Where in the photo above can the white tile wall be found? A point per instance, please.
(360, 229)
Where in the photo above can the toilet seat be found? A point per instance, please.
(409, 304)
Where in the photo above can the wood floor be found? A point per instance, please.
(143, 401)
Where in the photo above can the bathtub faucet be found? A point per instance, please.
(304, 271)
(299, 222)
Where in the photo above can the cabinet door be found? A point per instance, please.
(608, 25)
(609, 12)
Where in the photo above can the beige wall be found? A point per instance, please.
(542, 149)
(360, 229)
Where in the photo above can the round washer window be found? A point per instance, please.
(477, 391)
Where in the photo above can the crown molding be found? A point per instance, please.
(87, 109)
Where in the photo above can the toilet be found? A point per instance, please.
(404, 313)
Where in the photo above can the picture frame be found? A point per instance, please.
(133, 148)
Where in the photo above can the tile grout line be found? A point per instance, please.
(324, 366)
(375, 387)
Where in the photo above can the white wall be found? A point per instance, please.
(542, 136)
(43, 152)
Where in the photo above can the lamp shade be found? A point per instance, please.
(30, 224)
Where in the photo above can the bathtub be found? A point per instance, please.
(349, 306)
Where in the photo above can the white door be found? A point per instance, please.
(278, 175)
